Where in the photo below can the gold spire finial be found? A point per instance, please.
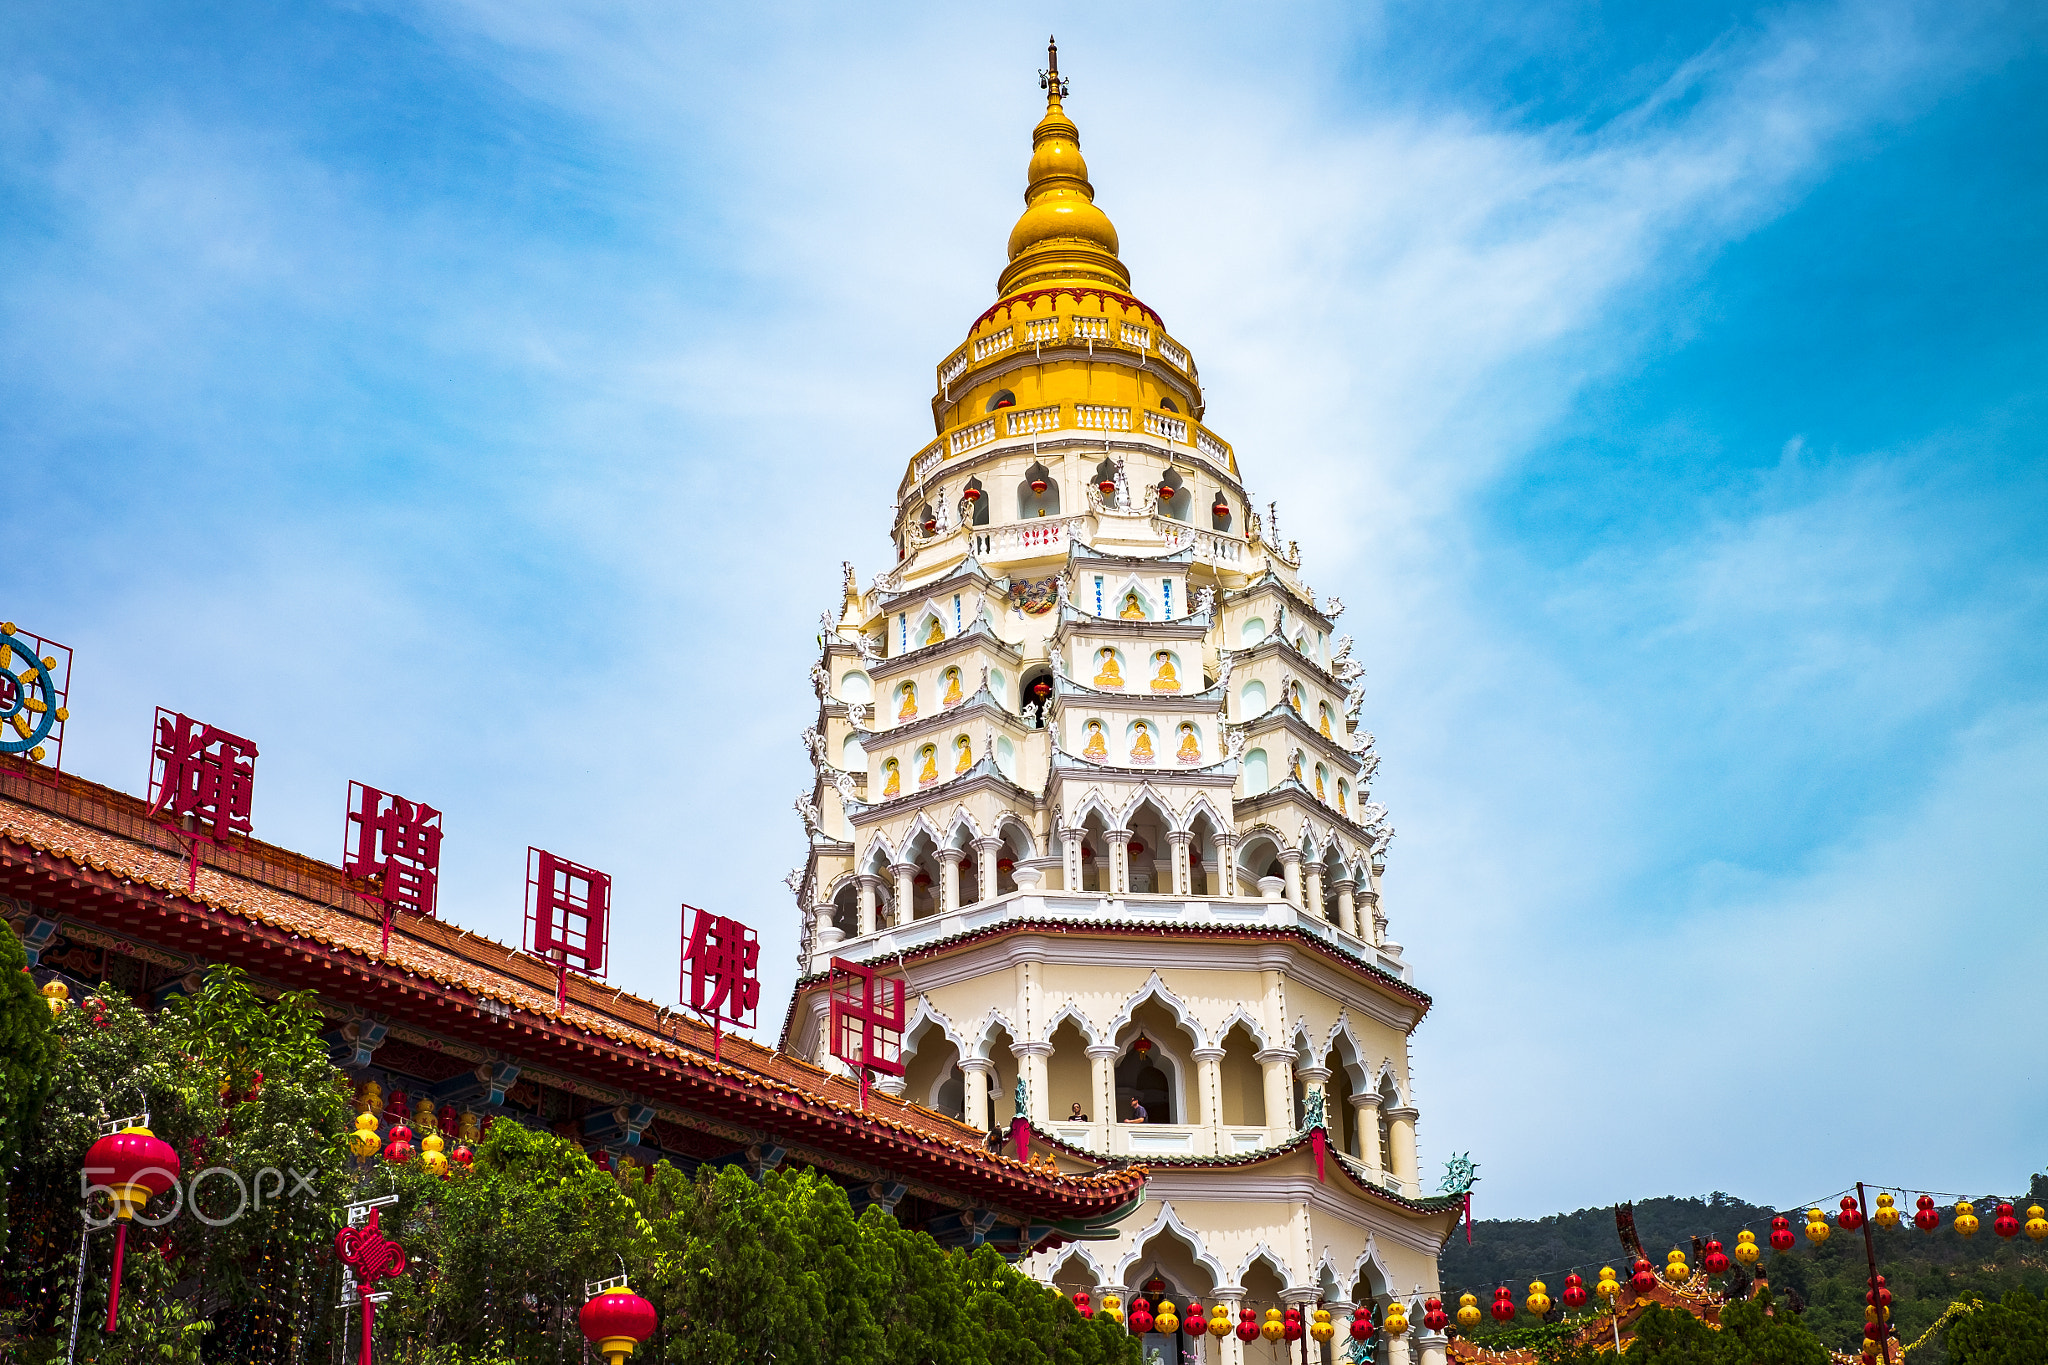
(1062, 236)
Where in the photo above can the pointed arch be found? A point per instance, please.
(1168, 1219)
(927, 1013)
(921, 630)
(1251, 1023)
(1148, 598)
(959, 820)
(1092, 802)
(1076, 1251)
(1156, 989)
(1343, 1040)
(1370, 1268)
(1262, 1252)
(1013, 831)
(1146, 794)
(880, 855)
(992, 1023)
(1067, 1011)
(1201, 805)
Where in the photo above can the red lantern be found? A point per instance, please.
(1361, 1322)
(1574, 1292)
(1108, 487)
(1166, 492)
(1926, 1219)
(1879, 1297)
(616, 1322)
(1081, 1304)
(1141, 1316)
(1781, 1234)
(399, 1149)
(1715, 1262)
(1143, 1047)
(451, 1122)
(463, 1156)
(1851, 1216)
(2005, 1225)
(1290, 1326)
(1192, 1323)
(931, 524)
(972, 494)
(1247, 1326)
(1503, 1305)
(132, 1165)
(1433, 1315)
(1644, 1279)
(1038, 487)
(1222, 508)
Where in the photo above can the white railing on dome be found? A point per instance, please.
(1172, 428)
(926, 463)
(1174, 353)
(1134, 335)
(1025, 539)
(953, 368)
(1034, 420)
(1042, 331)
(994, 343)
(1214, 546)
(1099, 418)
(1214, 449)
(1091, 329)
(967, 438)
(1165, 1139)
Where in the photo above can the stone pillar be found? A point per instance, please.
(975, 1074)
(1102, 1081)
(1070, 849)
(1401, 1135)
(1399, 1349)
(888, 1085)
(1435, 1347)
(1119, 869)
(1031, 1067)
(1279, 1065)
(1290, 873)
(1209, 1080)
(1347, 905)
(906, 892)
(1365, 1117)
(1226, 865)
(825, 935)
(1177, 843)
(986, 878)
(1372, 924)
(870, 898)
(1313, 892)
(949, 879)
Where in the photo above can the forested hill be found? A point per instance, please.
(1926, 1271)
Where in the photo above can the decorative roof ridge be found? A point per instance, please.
(1078, 548)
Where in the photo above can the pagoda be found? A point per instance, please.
(1091, 783)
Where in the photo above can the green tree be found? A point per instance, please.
(25, 1057)
(2012, 1331)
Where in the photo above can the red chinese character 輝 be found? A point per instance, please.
(199, 771)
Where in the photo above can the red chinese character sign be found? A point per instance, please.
(370, 1256)
(867, 1033)
(35, 685)
(566, 906)
(202, 779)
(397, 844)
(721, 963)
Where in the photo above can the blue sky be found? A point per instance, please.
(477, 401)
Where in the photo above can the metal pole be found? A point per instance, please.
(1870, 1251)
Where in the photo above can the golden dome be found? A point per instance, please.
(1062, 238)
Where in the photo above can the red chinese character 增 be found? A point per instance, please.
(399, 843)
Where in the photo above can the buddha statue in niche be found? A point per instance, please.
(1165, 678)
(1141, 744)
(963, 753)
(1107, 673)
(1190, 744)
(1323, 723)
(892, 777)
(928, 757)
(1098, 742)
(908, 710)
(952, 697)
(936, 635)
(1133, 608)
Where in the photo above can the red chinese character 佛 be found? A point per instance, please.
(722, 957)
(397, 842)
(201, 772)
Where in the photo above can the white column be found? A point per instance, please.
(1226, 864)
(1313, 892)
(906, 892)
(1209, 1079)
(1031, 1066)
(1347, 905)
(870, 898)
(1279, 1065)
(1401, 1135)
(1399, 1349)
(825, 935)
(1102, 1081)
(1372, 924)
(1070, 849)
(1177, 843)
(1290, 872)
(986, 878)
(949, 879)
(975, 1073)
(1435, 1347)
(1120, 862)
(1365, 1117)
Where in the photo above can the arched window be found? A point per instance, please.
(1105, 479)
(1003, 399)
(852, 756)
(1036, 702)
(1038, 495)
(855, 687)
(1252, 700)
(1179, 501)
(1251, 632)
(1006, 758)
(977, 501)
(1168, 405)
(1255, 780)
(1343, 797)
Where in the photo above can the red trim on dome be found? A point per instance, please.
(1078, 291)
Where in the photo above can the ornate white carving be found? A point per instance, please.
(843, 784)
(815, 743)
(857, 714)
(1334, 608)
(794, 880)
(1239, 737)
(1204, 600)
(1353, 701)
(1223, 678)
(807, 809)
(1341, 650)
(821, 680)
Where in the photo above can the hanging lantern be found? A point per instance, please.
(931, 524)
(1715, 1262)
(1396, 1321)
(972, 494)
(1817, 1228)
(1607, 1287)
(617, 1321)
(364, 1141)
(1113, 1308)
(1143, 1047)
(1081, 1304)
(399, 1149)
(1166, 491)
(1878, 1300)
(1433, 1315)
(132, 1164)
(1966, 1219)
(2037, 1225)
(1141, 1316)
(1503, 1305)
(1192, 1322)
(1851, 1216)
(1538, 1302)
(1038, 487)
(1320, 1328)
(1675, 1268)
(1886, 1214)
(431, 1155)
(1272, 1327)
(1641, 1278)
(1781, 1233)
(1746, 1250)
(1291, 1326)
(1108, 487)
(1574, 1295)
(1468, 1310)
(1222, 508)
(1247, 1328)
(463, 1156)
(1167, 1321)
(56, 995)
(1219, 1320)
(1925, 1218)
(2005, 1225)
(1361, 1323)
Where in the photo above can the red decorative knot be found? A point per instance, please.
(1926, 1219)
(368, 1252)
(1781, 1234)
(616, 1322)
(1851, 1216)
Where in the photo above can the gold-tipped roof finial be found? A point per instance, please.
(1062, 237)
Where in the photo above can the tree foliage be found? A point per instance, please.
(25, 1048)
(2010, 1331)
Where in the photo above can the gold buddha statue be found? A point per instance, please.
(1190, 745)
(893, 776)
(965, 752)
(1108, 674)
(1133, 608)
(952, 697)
(909, 707)
(1323, 723)
(1319, 783)
(936, 635)
(1165, 679)
(1141, 747)
(930, 772)
(1098, 745)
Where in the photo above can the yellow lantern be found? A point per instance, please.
(1885, 1215)
(1112, 1308)
(1322, 1329)
(1219, 1320)
(1817, 1228)
(1538, 1302)
(431, 1155)
(1166, 1320)
(1272, 1329)
(1676, 1271)
(364, 1140)
(56, 995)
(1746, 1249)
(2037, 1226)
(1607, 1287)
(1468, 1311)
(1397, 1319)
(1966, 1219)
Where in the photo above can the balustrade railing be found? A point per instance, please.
(994, 343)
(1214, 546)
(1042, 331)
(1175, 354)
(1136, 336)
(1214, 449)
(968, 438)
(1034, 420)
(1091, 329)
(1161, 424)
(953, 368)
(1096, 417)
(927, 462)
